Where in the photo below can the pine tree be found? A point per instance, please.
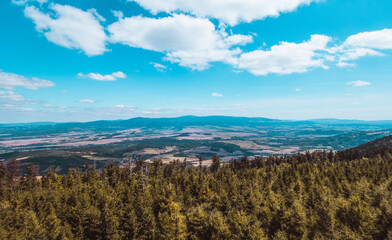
(13, 169)
(215, 163)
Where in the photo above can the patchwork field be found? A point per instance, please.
(67, 145)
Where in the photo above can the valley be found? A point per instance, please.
(67, 145)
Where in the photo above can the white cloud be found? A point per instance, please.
(287, 58)
(381, 39)
(179, 32)
(363, 44)
(70, 27)
(217, 95)
(14, 98)
(118, 14)
(358, 83)
(86, 101)
(10, 96)
(189, 38)
(348, 54)
(97, 76)
(14, 108)
(122, 107)
(159, 66)
(52, 107)
(191, 42)
(297, 89)
(355, 53)
(119, 75)
(94, 12)
(200, 60)
(12, 80)
(238, 39)
(23, 2)
(228, 11)
(100, 77)
(48, 105)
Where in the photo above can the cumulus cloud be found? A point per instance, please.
(100, 77)
(287, 58)
(191, 42)
(70, 27)
(381, 39)
(282, 58)
(349, 54)
(97, 76)
(12, 80)
(363, 44)
(231, 12)
(119, 75)
(216, 95)
(158, 66)
(189, 38)
(358, 83)
(86, 101)
(355, 53)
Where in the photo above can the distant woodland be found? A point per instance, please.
(319, 195)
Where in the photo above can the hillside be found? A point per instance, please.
(378, 143)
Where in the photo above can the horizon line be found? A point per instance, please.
(200, 116)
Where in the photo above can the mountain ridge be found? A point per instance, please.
(200, 119)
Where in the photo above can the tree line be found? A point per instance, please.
(319, 195)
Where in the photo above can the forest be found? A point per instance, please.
(318, 195)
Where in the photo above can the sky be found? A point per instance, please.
(80, 60)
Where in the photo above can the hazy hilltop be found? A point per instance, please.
(187, 121)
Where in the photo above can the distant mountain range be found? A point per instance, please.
(185, 121)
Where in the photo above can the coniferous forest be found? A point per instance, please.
(319, 195)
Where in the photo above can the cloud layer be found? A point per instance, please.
(189, 38)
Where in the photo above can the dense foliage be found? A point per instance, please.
(317, 195)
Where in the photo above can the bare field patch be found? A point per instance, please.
(195, 136)
(154, 151)
(32, 141)
(247, 144)
(93, 158)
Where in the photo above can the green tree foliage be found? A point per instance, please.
(319, 195)
(215, 163)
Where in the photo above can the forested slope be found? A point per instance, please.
(320, 195)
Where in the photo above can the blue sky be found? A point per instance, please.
(79, 60)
